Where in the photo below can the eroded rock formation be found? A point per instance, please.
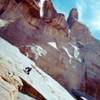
(72, 58)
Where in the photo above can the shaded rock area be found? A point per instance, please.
(70, 55)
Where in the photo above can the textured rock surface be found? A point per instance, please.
(7, 91)
(36, 79)
(72, 58)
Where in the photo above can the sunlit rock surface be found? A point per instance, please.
(71, 58)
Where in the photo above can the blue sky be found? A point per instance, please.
(89, 12)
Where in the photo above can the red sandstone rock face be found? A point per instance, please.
(26, 28)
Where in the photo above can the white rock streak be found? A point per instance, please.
(37, 50)
(53, 44)
(37, 79)
(3, 22)
(84, 98)
(76, 52)
(41, 4)
(69, 55)
(72, 55)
